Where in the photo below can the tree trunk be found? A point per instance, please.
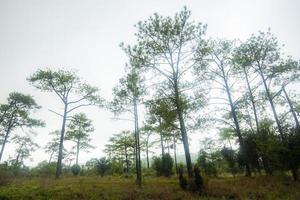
(5, 140)
(60, 152)
(252, 100)
(18, 157)
(161, 140)
(295, 173)
(147, 154)
(236, 123)
(175, 156)
(126, 160)
(77, 151)
(292, 110)
(272, 104)
(137, 141)
(183, 131)
(168, 146)
(294, 167)
(51, 157)
(266, 165)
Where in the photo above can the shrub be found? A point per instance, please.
(198, 179)
(167, 165)
(44, 169)
(182, 180)
(163, 166)
(207, 165)
(6, 176)
(102, 166)
(75, 169)
(115, 167)
(193, 184)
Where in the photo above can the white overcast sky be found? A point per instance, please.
(85, 35)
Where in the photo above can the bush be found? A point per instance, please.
(206, 164)
(102, 166)
(6, 176)
(115, 167)
(194, 184)
(156, 165)
(182, 180)
(44, 169)
(163, 166)
(75, 169)
(198, 179)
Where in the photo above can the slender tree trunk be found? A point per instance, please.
(229, 143)
(168, 146)
(265, 162)
(175, 156)
(161, 140)
(60, 152)
(183, 131)
(51, 157)
(137, 141)
(18, 157)
(271, 103)
(126, 160)
(236, 123)
(294, 168)
(266, 165)
(292, 109)
(147, 154)
(252, 100)
(5, 140)
(77, 151)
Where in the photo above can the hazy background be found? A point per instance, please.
(85, 35)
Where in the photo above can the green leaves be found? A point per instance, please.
(16, 113)
(48, 80)
(66, 83)
(79, 129)
(130, 88)
(24, 147)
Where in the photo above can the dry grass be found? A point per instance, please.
(260, 187)
(153, 188)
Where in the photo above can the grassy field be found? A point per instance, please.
(153, 188)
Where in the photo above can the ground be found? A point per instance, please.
(73, 188)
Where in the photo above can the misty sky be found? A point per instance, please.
(85, 35)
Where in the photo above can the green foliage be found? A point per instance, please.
(44, 169)
(64, 83)
(71, 91)
(102, 165)
(17, 114)
(78, 131)
(6, 175)
(198, 180)
(115, 167)
(52, 147)
(182, 180)
(121, 149)
(24, 147)
(207, 164)
(75, 169)
(231, 158)
(163, 166)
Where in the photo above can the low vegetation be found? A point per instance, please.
(113, 187)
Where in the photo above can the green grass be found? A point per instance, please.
(153, 188)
